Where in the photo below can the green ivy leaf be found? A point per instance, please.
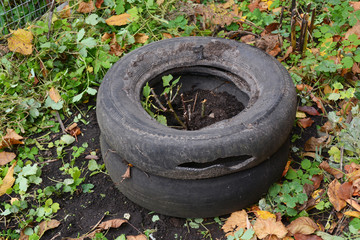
(347, 62)
(146, 90)
(166, 80)
(306, 164)
(291, 174)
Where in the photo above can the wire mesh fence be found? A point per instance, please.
(16, 13)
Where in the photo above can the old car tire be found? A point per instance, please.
(228, 146)
(195, 197)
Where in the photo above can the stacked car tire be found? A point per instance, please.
(208, 172)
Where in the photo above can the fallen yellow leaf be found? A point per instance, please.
(300, 114)
(20, 41)
(265, 214)
(54, 94)
(119, 20)
(138, 237)
(47, 225)
(8, 180)
(6, 157)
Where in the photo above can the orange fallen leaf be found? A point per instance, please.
(8, 180)
(334, 197)
(327, 89)
(287, 54)
(141, 38)
(11, 138)
(20, 41)
(286, 169)
(353, 203)
(119, 20)
(352, 214)
(318, 102)
(86, 7)
(305, 122)
(303, 225)
(138, 237)
(6, 157)
(47, 225)
(252, 6)
(54, 95)
(236, 221)
(333, 171)
(267, 228)
(113, 223)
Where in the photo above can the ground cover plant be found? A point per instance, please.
(53, 183)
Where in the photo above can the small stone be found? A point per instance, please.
(127, 216)
(211, 115)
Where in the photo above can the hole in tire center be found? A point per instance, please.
(209, 96)
(223, 162)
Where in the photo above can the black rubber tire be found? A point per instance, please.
(195, 197)
(228, 146)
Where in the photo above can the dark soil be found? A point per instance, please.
(206, 108)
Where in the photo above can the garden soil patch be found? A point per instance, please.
(206, 107)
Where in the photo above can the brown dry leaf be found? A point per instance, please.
(47, 225)
(300, 236)
(355, 68)
(141, 38)
(275, 51)
(303, 225)
(318, 102)
(20, 41)
(355, 5)
(159, 2)
(236, 221)
(86, 7)
(167, 35)
(303, 87)
(353, 175)
(313, 143)
(73, 130)
(11, 138)
(54, 95)
(333, 171)
(352, 167)
(353, 203)
(8, 180)
(6, 157)
(346, 191)
(65, 12)
(253, 5)
(354, 30)
(269, 228)
(98, 3)
(127, 174)
(264, 214)
(352, 214)
(309, 110)
(327, 89)
(119, 20)
(317, 179)
(114, 223)
(138, 237)
(269, 43)
(228, 4)
(287, 54)
(309, 154)
(305, 122)
(333, 190)
(247, 38)
(356, 185)
(327, 127)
